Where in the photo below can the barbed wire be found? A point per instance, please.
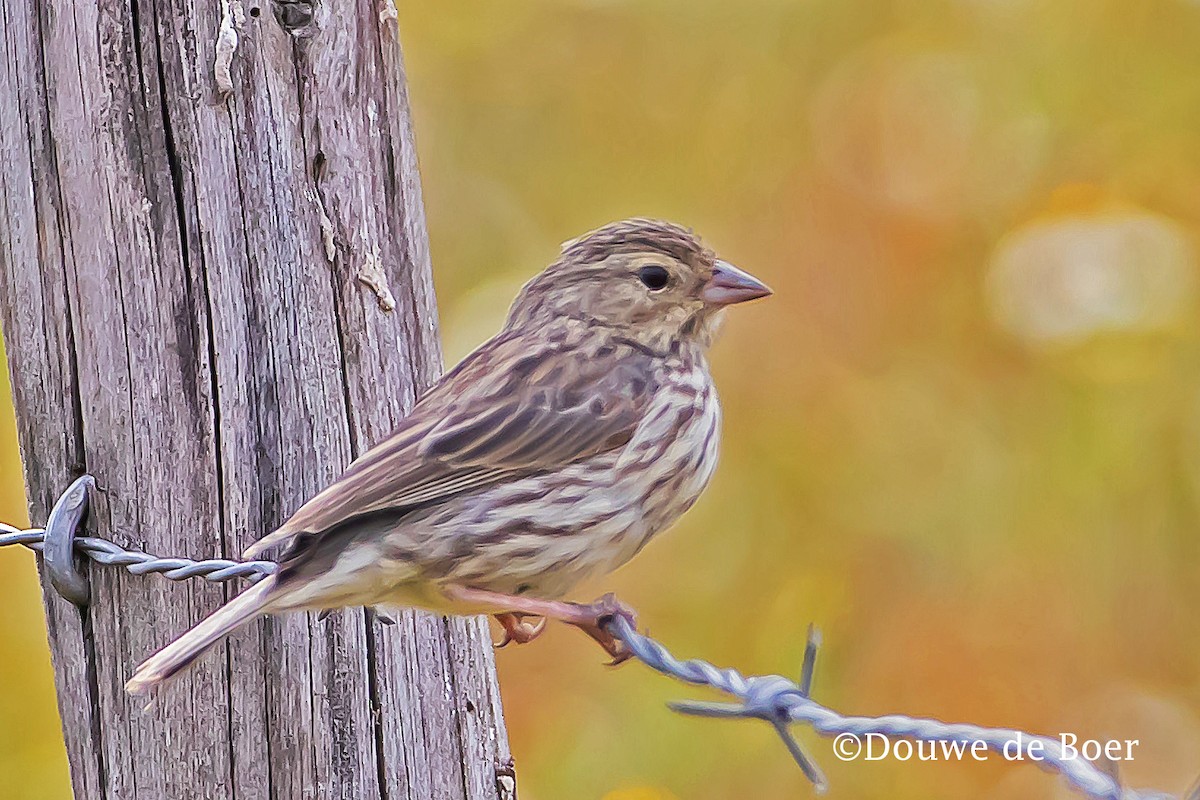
(777, 700)
(105, 552)
(783, 702)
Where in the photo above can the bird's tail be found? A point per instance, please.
(191, 645)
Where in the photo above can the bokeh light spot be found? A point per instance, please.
(1065, 280)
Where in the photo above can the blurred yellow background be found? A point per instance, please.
(964, 436)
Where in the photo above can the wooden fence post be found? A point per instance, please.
(215, 292)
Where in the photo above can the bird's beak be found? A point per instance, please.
(729, 285)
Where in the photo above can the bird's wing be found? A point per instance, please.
(510, 408)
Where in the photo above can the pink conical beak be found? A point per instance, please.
(729, 285)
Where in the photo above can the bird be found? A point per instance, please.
(551, 454)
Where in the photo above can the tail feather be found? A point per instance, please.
(187, 648)
(267, 542)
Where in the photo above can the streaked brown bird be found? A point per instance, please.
(551, 454)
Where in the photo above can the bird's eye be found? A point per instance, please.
(654, 277)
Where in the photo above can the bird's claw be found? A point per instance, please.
(516, 629)
(593, 620)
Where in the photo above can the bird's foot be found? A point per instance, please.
(516, 629)
(593, 619)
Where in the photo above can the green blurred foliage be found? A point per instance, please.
(963, 437)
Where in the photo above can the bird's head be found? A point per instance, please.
(653, 282)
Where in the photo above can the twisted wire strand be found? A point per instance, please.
(105, 552)
(782, 702)
(773, 698)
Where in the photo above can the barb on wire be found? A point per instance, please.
(783, 702)
(772, 698)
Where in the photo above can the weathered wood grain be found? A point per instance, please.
(213, 301)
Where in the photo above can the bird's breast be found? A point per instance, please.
(670, 459)
(544, 533)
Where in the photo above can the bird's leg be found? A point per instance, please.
(589, 618)
(516, 629)
(592, 619)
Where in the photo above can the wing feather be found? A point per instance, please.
(483, 424)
